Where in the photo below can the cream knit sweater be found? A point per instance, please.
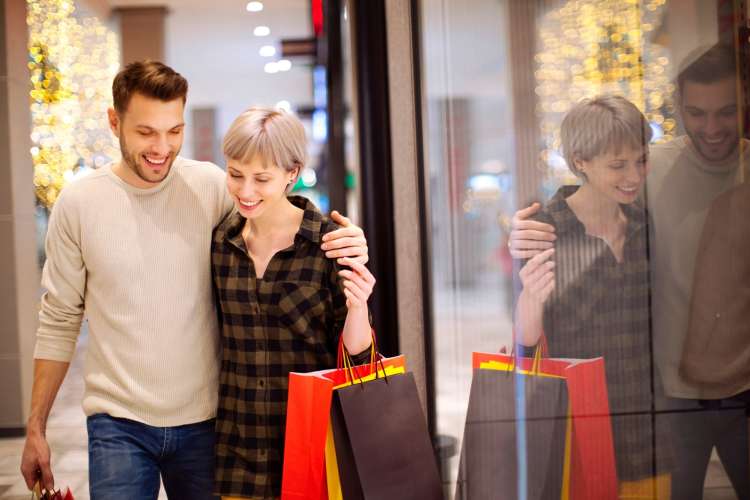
(136, 262)
(680, 191)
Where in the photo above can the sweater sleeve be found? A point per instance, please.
(64, 281)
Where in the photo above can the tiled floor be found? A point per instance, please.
(66, 434)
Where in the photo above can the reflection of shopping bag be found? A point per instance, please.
(383, 447)
(307, 422)
(566, 449)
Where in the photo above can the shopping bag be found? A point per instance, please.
(39, 493)
(333, 478)
(307, 421)
(500, 435)
(383, 447)
(580, 420)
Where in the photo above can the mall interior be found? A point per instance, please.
(431, 122)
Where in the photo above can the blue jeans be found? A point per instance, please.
(126, 459)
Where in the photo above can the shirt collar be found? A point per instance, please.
(566, 220)
(312, 227)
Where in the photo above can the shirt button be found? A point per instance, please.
(718, 315)
(256, 309)
(261, 383)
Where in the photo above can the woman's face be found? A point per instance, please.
(617, 175)
(257, 186)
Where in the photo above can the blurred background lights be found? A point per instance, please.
(262, 31)
(267, 51)
(284, 65)
(271, 67)
(604, 47)
(254, 6)
(309, 177)
(284, 106)
(71, 61)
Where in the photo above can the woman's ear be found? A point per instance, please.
(295, 174)
(579, 164)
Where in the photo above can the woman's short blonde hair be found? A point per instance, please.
(276, 137)
(600, 125)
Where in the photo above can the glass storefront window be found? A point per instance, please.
(624, 120)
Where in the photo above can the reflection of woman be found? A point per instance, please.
(589, 295)
(282, 306)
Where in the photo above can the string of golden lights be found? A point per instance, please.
(589, 48)
(72, 61)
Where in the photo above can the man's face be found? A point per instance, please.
(150, 133)
(709, 113)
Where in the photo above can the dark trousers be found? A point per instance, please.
(693, 428)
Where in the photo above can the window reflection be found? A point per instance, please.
(659, 289)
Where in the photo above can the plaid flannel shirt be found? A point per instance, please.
(290, 320)
(600, 307)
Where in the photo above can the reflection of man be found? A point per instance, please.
(716, 354)
(687, 174)
(129, 246)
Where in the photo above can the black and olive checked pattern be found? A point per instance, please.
(290, 320)
(601, 307)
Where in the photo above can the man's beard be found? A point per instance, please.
(134, 165)
(707, 155)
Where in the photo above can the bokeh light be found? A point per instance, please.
(71, 65)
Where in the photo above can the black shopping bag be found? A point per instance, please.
(383, 447)
(489, 462)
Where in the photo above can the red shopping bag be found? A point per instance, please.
(42, 494)
(307, 422)
(590, 463)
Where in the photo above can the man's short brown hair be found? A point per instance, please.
(708, 65)
(149, 78)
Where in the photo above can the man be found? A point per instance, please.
(129, 246)
(687, 174)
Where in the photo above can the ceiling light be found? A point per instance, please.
(284, 105)
(271, 67)
(262, 31)
(254, 6)
(284, 65)
(267, 51)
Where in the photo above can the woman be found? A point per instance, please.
(282, 303)
(589, 296)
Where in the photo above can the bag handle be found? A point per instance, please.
(345, 359)
(541, 351)
(39, 493)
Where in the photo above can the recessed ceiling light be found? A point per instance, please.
(254, 6)
(262, 31)
(284, 105)
(284, 65)
(267, 51)
(271, 67)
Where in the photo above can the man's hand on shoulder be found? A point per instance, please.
(529, 237)
(347, 241)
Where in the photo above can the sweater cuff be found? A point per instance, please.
(53, 347)
(363, 357)
(526, 351)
